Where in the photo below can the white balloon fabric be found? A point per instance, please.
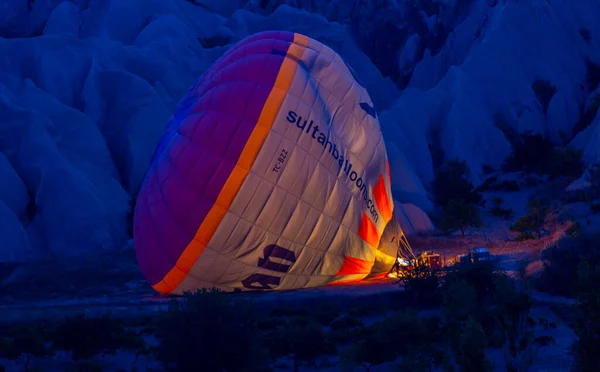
(272, 174)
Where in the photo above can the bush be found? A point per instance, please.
(481, 275)
(534, 153)
(512, 304)
(460, 301)
(25, 343)
(468, 347)
(302, 338)
(479, 297)
(587, 320)
(86, 337)
(531, 152)
(566, 162)
(421, 285)
(212, 328)
(534, 221)
(561, 263)
(595, 207)
(403, 334)
(344, 329)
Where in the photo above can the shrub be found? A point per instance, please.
(534, 221)
(561, 263)
(566, 162)
(481, 275)
(213, 328)
(421, 285)
(343, 330)
(302, 338)
(459, 302)
(26, 343)
(587, 320)
(383, 341)
(468, 347)
(86, 337)
(531, 153)
(512, 303)
(595, 207)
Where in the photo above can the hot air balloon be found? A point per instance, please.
(272, 174)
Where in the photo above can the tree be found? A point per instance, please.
(457, 214)
(534, 221)
(452, 182)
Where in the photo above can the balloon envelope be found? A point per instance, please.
(272, 174)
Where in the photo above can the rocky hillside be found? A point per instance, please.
(87, 87)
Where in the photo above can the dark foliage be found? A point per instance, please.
(458, 199)
(498, 211)
(459, 215)
(533, 223)
(302, 338)
(562, 260)
(25, 343)
(208, 325)
(530, 153)
(421, 285)
(481, 275)
(379, 342)
(479, 299)
(566, 162)
(535, 153)
(453, 182)
(86, 337)
(493, 184)
(587, 316)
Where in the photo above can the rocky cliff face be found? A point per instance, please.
(87, 87)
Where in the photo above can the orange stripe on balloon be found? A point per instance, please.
(348, 281)
(368, 232)
(382, 200)
(387, 167)
(233, 184)
(352, 266)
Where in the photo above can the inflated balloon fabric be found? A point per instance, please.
(272, 174)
